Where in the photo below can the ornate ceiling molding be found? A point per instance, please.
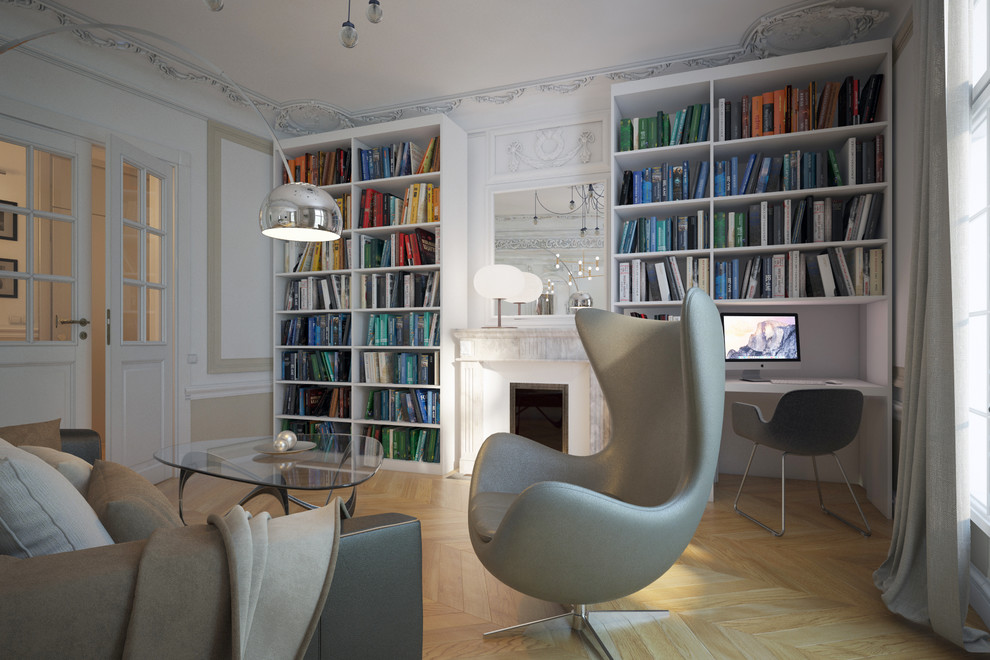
(805, 26)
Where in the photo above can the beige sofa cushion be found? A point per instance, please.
(41, 513)
(128, 505)
(73, 468)
(39, 434)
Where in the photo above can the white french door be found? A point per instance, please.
(139, 342)
(45, 359)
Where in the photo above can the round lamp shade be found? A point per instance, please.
(300, 212)
(531, 289)
(498, 281)
(577, 300)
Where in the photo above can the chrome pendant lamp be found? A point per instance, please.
(293, 211)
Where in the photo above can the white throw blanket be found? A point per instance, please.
(277, 572)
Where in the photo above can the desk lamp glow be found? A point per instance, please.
(498, 281)
(294, 211)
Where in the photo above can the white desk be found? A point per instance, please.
(868, 389)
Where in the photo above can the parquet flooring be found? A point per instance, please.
(736, 592)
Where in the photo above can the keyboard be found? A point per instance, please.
(803, 381)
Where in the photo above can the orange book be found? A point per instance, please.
(779, 111)
(756, 117)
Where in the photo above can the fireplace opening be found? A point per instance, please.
(538, 411)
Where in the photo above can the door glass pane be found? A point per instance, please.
(132, 252)
(13, 161)
(12, 250)
(52, 182)
(154, 202)
(131, 189)
(51, 300)
(131, 317)
(154, 315)
(52, 247)
(154, 259)
(13, 307)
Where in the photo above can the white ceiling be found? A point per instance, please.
(427, 52)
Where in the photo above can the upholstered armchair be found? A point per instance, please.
(579, 530)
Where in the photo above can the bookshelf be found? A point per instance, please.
(847, 335)
(361, 345)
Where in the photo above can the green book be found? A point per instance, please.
(740, 229)
(833, 165)
(719, 231)
(625, 135)
(695, 122)
(665, 137)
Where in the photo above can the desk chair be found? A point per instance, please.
(806, 423)
(579, 530)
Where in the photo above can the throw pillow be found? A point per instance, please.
(73, 468)
(41, 513)
(39, 434)
(127, 504)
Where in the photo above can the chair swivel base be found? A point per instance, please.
(821, 501)
(581, 622)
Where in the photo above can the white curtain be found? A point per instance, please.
(926, 575)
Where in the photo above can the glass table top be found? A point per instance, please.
(318, 462)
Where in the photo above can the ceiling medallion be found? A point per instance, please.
(822, 25)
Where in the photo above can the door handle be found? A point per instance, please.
(83, 322)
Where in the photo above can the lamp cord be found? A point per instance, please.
(10, 45)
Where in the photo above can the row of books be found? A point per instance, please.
(416, 248)
(419, 203)
(666, 182)
(661, 280)
(319, 292)
(304, 257)
(653, 234)
(316, 401)
(317, 330)
(806, 220)
(793, 108)
(308, 427)
(324, 168)
(664, 129)
(407, 444)
(394, 290)
(324, 366)
(835, 271)
(409, 329)
(418, 406)
(394, 368)
(386, 161)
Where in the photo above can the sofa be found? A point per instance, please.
(373, 606)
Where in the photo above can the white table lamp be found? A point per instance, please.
(531, 289)
(498, 281)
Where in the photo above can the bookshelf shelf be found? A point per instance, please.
(448, 271)
(847, 337)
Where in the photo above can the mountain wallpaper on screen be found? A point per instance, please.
(771, 340)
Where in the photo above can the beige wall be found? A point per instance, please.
(231, 417)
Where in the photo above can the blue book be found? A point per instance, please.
(702, 183)
(720, 280)
(686, 181)
(705, 119)
(764, 176)
(735, 279)
(719, 178)
(744, 183)
(637, 187)
(734, 188)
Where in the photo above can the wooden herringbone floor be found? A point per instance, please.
(736, 592)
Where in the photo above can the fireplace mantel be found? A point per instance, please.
(489, 359)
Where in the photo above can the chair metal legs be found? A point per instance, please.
(783, 506)
(581, 622)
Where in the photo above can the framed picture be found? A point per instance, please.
(8, 223)
(8, 285)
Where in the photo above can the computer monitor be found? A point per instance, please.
(760, 341)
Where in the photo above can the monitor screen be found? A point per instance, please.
(770, 339)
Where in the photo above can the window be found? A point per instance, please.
(973, 253)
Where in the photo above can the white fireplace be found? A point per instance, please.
(490, 360)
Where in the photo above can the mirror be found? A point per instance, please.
(559, 234)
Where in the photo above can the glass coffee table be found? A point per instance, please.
(318, 462)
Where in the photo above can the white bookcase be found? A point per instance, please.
(843, 337)
(449, 309)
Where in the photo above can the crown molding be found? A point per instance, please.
(802, 26)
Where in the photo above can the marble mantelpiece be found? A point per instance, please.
(489, 359)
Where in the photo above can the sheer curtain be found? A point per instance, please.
(926, 575)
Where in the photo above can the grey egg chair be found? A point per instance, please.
(579, 530)
(810, 422)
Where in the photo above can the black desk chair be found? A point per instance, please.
(806, 423)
